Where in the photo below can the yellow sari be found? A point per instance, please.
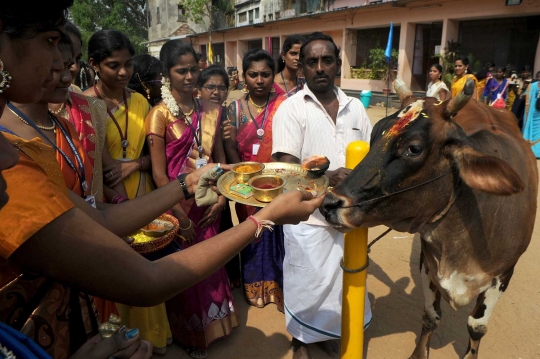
(458, 84)
(139, 182)
(152, 322)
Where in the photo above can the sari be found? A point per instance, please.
(205, 312)
(290, 92)
(139, 182)
(58, 318)
(531, 125)
(261, 261)
(458, 84)
(493, 89)
(434, 89)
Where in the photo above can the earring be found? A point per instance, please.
(245, 89)
(146, 89)
(5, 78)
(96, 77)
(273, 90)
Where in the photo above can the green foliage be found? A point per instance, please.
(448, 58)
(128, 16)
(380, 69)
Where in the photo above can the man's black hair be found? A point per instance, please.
(318, 36)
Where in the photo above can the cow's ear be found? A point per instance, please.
(486, 173)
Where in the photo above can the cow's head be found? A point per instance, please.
(423, 153)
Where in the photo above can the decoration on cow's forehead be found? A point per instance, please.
(405, 117)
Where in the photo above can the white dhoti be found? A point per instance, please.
(312, 282)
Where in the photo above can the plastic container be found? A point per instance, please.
(365, 97)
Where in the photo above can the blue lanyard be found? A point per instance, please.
(80, 171)
(260, 133)
(198, 140)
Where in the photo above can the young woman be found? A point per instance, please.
(183, 135)
(110, 53)
(531, 124)
(436, 87)
(461, 68)
(497, 85)
(287, 81)
(250, 127)
(146, 78)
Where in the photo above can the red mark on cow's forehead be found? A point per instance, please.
(405, 117)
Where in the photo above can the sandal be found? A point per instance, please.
(197, 353)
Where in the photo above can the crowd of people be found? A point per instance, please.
(91, 153)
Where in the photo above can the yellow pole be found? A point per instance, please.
(354, 284)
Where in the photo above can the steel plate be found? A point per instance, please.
(293, 173)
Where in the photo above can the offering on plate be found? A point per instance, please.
(156, 235)
(267, 187)
(244, 171)
(242, 190)
(157, 228)
(315, 166)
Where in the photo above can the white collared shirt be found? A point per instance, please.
(301, 127)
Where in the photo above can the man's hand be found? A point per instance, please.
(337, 176)
(125, 344)
(290, 208)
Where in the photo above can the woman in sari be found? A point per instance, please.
(436, 88)
(111, 55)
(287, 81)
(461, 68)
(496, 87)
(531, 125)
(146, 78)
(250, 128)
(183, 135)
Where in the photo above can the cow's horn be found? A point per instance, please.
(458, 102)
(402, 90)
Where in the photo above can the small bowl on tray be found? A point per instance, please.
(150, 240)
(316, 166)
(157, 228)
(267, 187)
(244, 171)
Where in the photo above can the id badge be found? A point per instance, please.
(200, 162)
(255, 149)
(91, 200)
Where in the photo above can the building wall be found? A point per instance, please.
(340, 23)
(248, 12)
(170, 20)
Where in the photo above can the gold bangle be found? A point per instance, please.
(185, 229)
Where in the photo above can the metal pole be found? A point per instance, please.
(354, 284)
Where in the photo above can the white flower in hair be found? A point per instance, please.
(168, 98)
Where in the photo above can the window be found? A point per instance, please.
(158, 15)
(242, 17)
(149, 17)
(181, 13)
(251, 16)
(270, 17)
(256, 13)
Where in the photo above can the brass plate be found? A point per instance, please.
(293, 173)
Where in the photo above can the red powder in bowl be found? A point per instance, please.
(266, 186)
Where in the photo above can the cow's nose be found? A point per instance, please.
(329, 205)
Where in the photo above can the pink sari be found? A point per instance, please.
(205, 312)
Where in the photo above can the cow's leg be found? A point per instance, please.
(432, 312)
(478, 319)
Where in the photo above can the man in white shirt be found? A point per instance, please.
(318, 120)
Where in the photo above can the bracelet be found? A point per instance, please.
(185, 229)
(181, 219)
(261, 225)
(118, 199)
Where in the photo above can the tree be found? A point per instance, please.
(128, 16)
(207, 12)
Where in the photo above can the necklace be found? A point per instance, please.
(103, 96)
(123, 135)
(190, 112)
(44, 128)
(57, 112)
(260, 130)
(259, 108)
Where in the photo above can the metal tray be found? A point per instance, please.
(293, 173)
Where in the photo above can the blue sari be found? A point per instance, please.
(531, 127)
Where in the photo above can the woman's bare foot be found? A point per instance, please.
(300, 350)
(330, 347)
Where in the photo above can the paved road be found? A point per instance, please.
(397, 301)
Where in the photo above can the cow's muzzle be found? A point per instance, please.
(334, 209)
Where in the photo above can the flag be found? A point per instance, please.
(210, 54)
(388, 51)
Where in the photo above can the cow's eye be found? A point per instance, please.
(414, 151)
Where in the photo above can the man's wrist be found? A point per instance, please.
(183, 180)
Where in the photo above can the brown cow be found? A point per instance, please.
(460, 174)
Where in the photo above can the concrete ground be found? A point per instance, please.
(397, 302)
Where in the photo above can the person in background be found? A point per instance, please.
(436, 87)
(233, 78)
(319, 120)
(497, 85)
(201, 61)
(483, 76)
(249, 138)
(76, 39)
(461, 69)
(288, 80)
(111, 55)
(518, 107)
(182, 135)
(85, 78)
(531, 124)
(146, 78)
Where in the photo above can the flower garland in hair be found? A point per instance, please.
(168, 98)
